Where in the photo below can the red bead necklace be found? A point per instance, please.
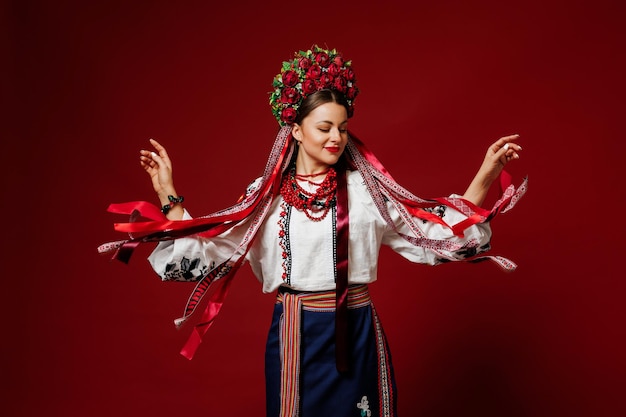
(308, 202)
(305, 177)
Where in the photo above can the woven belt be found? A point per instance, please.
(290, 335)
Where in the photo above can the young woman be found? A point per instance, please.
(311, 228)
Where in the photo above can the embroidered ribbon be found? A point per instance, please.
(385, 379)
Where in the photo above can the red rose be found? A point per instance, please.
(322, 59)
(288, 115)
(290, 78)
(326, 80)
(304, 63)
(351, 93)
(338, 60)
(334, 69)
(339, 84)
(290, 95)
(309, 87)
(314, 72)
(349, 74)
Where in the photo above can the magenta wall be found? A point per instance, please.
(88, 85)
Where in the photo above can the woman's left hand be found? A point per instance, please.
(500, 153)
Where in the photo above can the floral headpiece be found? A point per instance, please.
(308, 72)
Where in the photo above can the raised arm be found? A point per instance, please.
(159, 167)
(498, 155)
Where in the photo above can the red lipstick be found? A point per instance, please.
(333, 149)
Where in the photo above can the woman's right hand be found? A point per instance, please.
(159, 168)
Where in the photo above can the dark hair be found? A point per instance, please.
(317, 99)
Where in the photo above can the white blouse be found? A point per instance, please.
(294, 251)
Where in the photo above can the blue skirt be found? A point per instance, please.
(300, 369)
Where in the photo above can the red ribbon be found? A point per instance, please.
(216, 301)
(342, 242)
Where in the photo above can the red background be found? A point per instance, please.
(87, 85)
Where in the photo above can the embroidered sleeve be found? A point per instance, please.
(192, 258)
(476, 239)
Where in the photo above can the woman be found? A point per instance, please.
(311, 228)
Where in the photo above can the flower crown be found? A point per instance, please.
(308, 72)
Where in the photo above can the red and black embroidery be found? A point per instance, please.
(283, 240)
(439, 211)
(186, 270)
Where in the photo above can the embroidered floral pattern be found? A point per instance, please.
(469, 250)
(283, 240)
(472, 249)
(364, 407)
(437, 211)
(186, 270)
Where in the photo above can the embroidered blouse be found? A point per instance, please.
(294, 251)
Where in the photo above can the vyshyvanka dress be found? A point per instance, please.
(295, 257)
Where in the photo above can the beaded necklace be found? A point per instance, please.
(307, 177)
(309, 202)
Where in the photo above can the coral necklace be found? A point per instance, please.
(308, 202)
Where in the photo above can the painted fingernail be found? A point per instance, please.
(506, 146)
(153, 154)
